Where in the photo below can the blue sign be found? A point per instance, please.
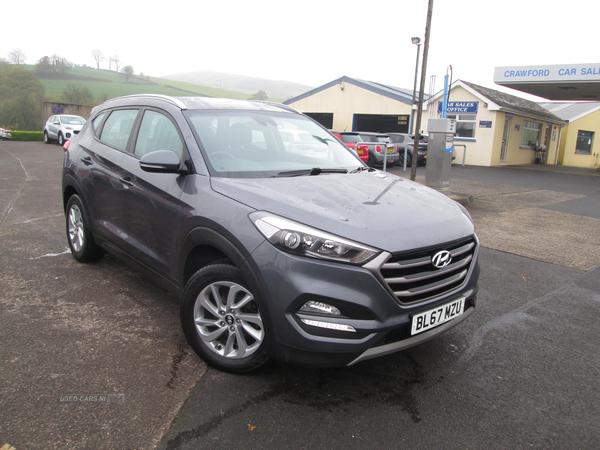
(460, 107)
(57, 109)
(485, 124)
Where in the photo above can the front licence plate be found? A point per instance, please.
(434, 317)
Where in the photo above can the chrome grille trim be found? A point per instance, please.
(432, 273)
(432, 286)
(412, 278)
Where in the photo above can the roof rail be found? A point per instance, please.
(281, 105)
(166, 98)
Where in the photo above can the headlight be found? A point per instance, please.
(301, 240)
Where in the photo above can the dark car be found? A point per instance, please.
(407, 141)
(293, 249)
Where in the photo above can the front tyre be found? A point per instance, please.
(221, 320)
(81, 242)
(61, 139)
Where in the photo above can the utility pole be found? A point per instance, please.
(413, 170)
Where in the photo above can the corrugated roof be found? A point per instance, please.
(571, 110)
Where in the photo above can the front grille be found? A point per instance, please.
(413, 278)
(76, 132)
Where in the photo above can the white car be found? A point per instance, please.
(5, 134)
(62, 127)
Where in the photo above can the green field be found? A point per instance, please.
(105, 84)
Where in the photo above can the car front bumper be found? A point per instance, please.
(382, 325)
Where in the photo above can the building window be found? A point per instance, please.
(531, 134)
(584, 142)
(465, 124)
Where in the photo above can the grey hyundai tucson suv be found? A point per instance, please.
(279, 249)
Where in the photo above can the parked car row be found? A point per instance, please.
(5, 134)
(62, 127)
(373, 148)
(407, 141)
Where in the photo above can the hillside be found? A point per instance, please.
(106, 84)
(274, 88)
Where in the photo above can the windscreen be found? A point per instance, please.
(257, 144)
(72, 120)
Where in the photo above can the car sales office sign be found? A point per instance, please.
(460, 107)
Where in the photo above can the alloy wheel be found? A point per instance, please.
(228, 321)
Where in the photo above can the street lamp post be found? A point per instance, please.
(417, 42)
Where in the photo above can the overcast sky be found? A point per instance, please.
(308, 41)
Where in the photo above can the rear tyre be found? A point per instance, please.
(371, 162)
(221, 320)
(81, 242)
(408, 159)
(46, 137)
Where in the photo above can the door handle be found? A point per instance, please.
(87, 160)
(127, 181)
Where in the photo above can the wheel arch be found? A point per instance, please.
(71, 188)
(203, 246)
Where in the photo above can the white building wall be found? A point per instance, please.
(347, 102)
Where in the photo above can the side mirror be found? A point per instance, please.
(162, 161)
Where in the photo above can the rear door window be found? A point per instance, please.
(117, 128)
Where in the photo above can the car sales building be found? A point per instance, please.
(494, 128)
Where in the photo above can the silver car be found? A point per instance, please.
(62, 127)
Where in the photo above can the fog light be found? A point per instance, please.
(318, 307)
(329, 325)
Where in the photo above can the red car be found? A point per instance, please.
(353, 140)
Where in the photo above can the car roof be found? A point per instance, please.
(193, 103)
(344, 132)
(373, 133)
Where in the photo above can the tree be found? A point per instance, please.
(98, 57)
(260, 95)
(117, 62)
(62, 65)
(77, 94)
(128, 71)
(17, 57)
(21, 96)
(43, 66)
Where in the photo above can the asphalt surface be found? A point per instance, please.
(93, 356)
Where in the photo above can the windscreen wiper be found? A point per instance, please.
(313, 171)
(361, 168)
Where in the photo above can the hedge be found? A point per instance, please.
(35, 136)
